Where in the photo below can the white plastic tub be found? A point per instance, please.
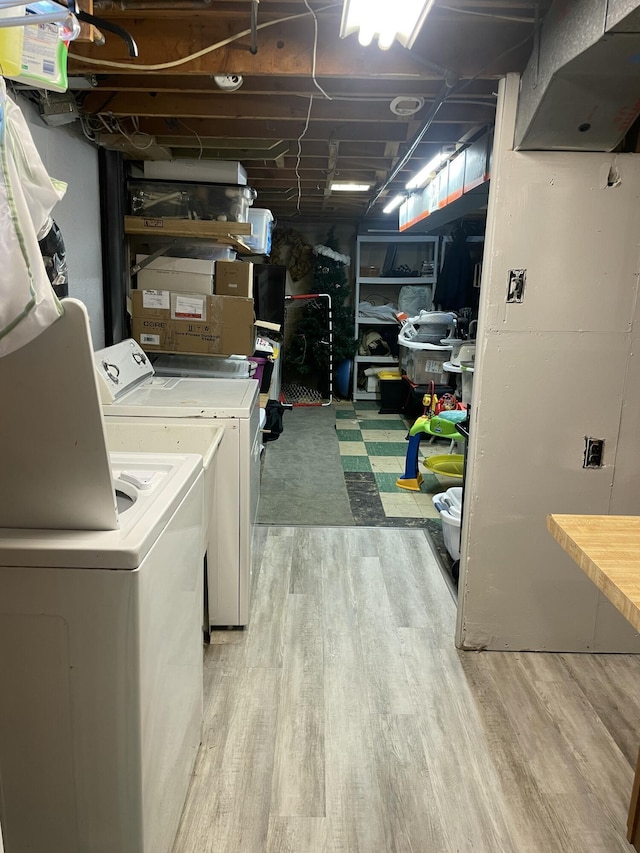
(449, 505)
(261, 221)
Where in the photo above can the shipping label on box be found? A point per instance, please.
(234, 278)
(156, 299)
(188, 307)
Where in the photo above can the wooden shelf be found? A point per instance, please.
(203, 229)
(408, 279)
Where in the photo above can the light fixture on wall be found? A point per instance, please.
(395, 202)
(387, 19)
(422, 178)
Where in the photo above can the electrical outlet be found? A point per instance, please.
(593, 452)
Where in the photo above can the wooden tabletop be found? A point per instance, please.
(607, 548)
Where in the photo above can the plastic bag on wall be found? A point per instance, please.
(54, 256)
(28, 304)
(413, 299)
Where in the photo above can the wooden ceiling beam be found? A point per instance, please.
(211, 129)
(335, 87)
(236, 106)
(284, 50)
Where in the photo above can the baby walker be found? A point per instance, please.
(438, 420)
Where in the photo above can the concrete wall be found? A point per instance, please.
(73, 159)
(549, 371)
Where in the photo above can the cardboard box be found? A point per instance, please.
(234, 278)
(187, 275)
(199, 324)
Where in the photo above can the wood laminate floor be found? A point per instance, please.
(343, 720)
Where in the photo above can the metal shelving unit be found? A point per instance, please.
(388, 254)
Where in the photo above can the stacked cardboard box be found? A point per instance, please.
(234, 278)
(165, 321)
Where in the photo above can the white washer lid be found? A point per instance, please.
(55, 468)
(140, 526)
(183, 397)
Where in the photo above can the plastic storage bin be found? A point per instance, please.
(261, 224)
(263, 373)
(424, 365)
(183, 200)
(205, 366)
(449, 505)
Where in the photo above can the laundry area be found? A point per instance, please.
(318, 366)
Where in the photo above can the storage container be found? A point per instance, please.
(392, 392)
(183, 200)
(261, 225)
(425, 365)
(202, 171)
(449, 505)
(263, 373)
(204, 366)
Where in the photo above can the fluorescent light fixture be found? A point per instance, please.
(346, 187)
(428, 172)
(387, 19)
(396, 201)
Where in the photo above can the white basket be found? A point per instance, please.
(449, 505)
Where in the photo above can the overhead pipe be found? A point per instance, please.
(447, 87)
(254, 27)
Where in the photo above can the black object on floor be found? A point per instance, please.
(273, 419)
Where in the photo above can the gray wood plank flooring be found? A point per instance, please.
(343, 719)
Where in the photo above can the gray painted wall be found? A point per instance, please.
(550, 371)
(73, 159)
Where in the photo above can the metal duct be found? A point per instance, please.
(581, 88)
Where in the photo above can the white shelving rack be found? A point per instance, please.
(380, 254)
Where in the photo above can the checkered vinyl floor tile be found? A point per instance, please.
(373, 451)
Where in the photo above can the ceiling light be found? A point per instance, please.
(426, 174)
(228, 82)
(387, 19)
(406, 105)
(345, 187)
(395, 202)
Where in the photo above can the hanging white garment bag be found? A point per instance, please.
(28, 304)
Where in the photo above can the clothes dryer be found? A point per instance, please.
(131, 391)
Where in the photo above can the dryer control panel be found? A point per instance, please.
(120, 368)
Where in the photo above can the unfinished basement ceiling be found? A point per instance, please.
(295, 137)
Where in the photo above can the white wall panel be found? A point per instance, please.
(549, 372)
(535, 404)
(561, 222)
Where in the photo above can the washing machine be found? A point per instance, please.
(100, 602)
(131, 391)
